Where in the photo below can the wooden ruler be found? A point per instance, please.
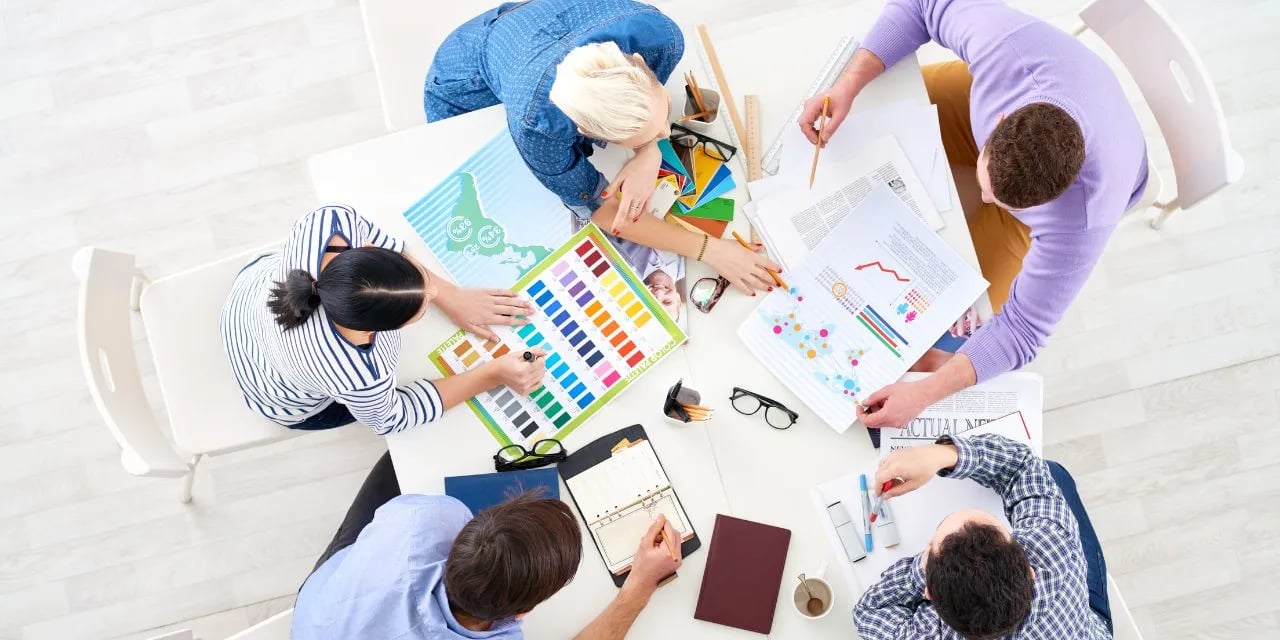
(726, 96)
(752, 141)
(751, 104)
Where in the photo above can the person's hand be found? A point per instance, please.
(653, 560)
(895, 405)
(841, 101)
(636, 180)
(967, 324)
(513, 371)
(476, 309)
(744, 269)
(909, 469)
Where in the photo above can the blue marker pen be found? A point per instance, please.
(866, 509)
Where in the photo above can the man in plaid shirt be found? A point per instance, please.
(977, 580)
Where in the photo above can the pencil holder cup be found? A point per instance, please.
(679, 395)
(711, 98)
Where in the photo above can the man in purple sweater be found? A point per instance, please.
(1052, 143)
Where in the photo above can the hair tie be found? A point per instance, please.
(314, 290)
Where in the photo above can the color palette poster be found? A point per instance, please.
(598, 323)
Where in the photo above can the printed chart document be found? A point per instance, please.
(862, 308)
(915, 515)
(793, 219)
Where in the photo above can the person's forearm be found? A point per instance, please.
(459, 388)
(955, 374)
(615, 621)
(651, 231)
(861, 69)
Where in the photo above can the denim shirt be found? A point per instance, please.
(524, 43)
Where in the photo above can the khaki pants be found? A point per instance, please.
(1001, 240)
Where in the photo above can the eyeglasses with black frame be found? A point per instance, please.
(514, 457)
(749, 403)
(689, 139)
(706, 292)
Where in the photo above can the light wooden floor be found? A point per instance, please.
(178, 129)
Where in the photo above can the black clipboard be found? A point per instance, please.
(596, 452)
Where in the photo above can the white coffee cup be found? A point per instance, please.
(820, 588)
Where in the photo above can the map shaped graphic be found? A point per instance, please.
(475, 234)
(490, 220)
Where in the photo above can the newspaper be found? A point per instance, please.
(971, 408)
(794, 219)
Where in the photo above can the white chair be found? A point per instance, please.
(1121, 619)
(207, 413)
(274, 628)
(403, 38)
(1179, 92)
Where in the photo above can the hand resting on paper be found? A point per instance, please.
(744, 269)
(636, 180)
(861, 69)
(475, 310)
(915, 466)
(653, 560)
(895, 405)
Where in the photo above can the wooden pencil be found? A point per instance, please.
(817, 148)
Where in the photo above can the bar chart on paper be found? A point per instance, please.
(599, 325)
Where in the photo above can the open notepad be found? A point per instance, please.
(620, 488)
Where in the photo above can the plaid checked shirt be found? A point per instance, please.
(895, 607)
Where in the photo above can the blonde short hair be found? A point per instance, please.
(604, 91)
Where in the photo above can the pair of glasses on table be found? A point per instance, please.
(749, 403)
(514, 457)
(689, 139)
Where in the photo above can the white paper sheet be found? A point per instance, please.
(794, 218)
(863, 307)
(915, 126)
(916, 514)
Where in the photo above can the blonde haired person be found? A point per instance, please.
(574, 75)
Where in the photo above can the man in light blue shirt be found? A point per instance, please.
(417, 566)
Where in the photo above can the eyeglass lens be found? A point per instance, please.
(746, 404)
(706, 293)
(778, 418)
(512, 452)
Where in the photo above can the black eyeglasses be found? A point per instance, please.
(514, 457)
(689, 139)
(748, 404)
(706, 292)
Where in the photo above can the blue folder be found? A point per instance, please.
(479, 492)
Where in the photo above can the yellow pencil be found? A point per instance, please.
(777, 279)
(822, 124)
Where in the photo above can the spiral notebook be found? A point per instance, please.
(620, 488)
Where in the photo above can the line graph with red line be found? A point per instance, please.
(883, 269)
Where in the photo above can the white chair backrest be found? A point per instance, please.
(110, 367)
(403, 38)
(1121, 618)
(274, 628)
(1176, 87)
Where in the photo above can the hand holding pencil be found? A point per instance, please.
(658, 557)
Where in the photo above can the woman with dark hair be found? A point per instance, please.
(312, 331)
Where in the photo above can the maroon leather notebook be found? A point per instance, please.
(744, 571)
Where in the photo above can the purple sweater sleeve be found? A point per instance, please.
(1054, 270)
(966, 27)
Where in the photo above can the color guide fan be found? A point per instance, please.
(598, 323)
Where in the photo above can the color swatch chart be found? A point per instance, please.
(599, 325)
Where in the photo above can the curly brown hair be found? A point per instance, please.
(1033, 155)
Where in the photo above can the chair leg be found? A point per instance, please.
(1163, 211)
(190, 478)
(140, 282)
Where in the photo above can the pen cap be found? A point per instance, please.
(849, 535)
(886, 529)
